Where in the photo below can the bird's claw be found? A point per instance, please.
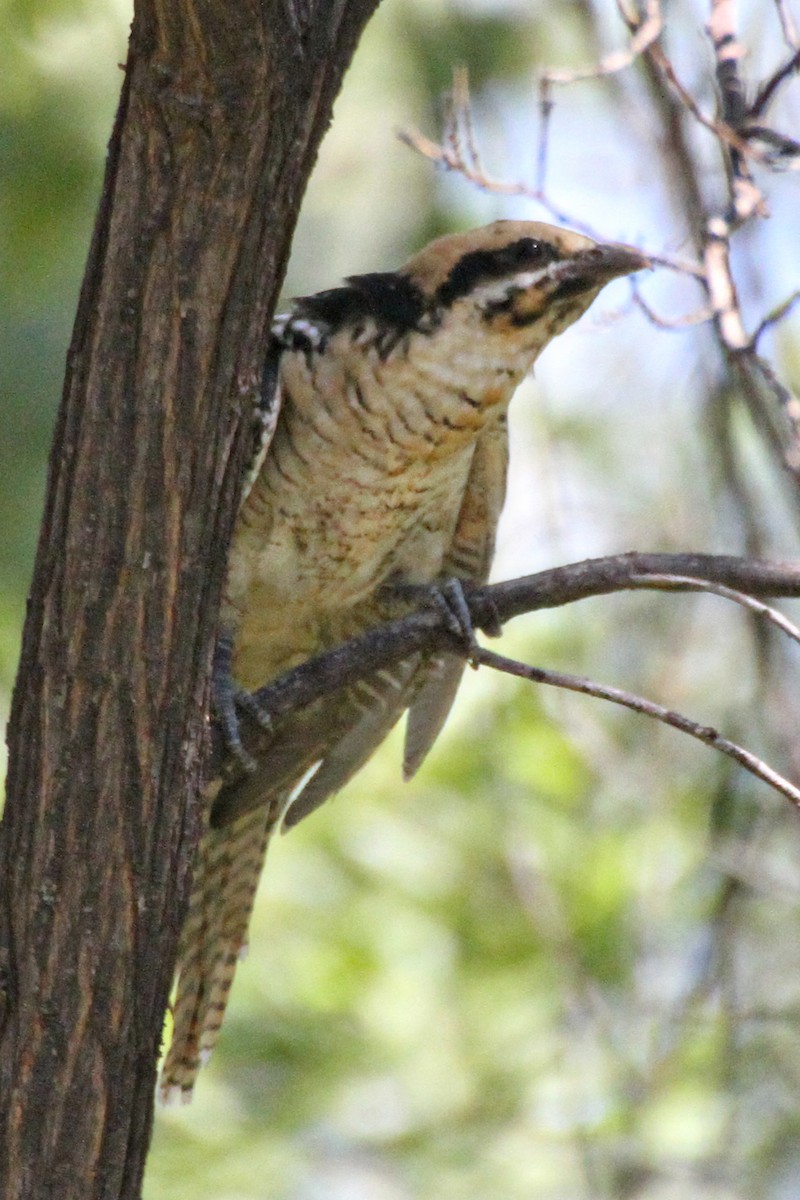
(449, 598)
(229, 699)
(450, 601)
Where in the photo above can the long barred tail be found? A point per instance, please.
(340, 737)
(228, 869)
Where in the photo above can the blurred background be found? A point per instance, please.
(564, 962)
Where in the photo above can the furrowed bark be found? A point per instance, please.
(221, 114)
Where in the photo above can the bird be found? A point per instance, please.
(379, 463)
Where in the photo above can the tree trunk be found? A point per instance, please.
(222, 110)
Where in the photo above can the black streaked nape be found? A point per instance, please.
(481, 266)
(390, 299)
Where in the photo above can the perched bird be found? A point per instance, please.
(382, 460)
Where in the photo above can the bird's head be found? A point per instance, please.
(520, 281)
(517, 275)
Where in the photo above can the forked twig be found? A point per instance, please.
(644, 33)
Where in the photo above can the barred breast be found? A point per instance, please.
(364, 483)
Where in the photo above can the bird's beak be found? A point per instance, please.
(615, 259)
(589, 269)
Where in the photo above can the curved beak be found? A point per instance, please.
(592, 268)
(615, 259)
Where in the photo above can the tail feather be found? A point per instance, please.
(383, 701)
(214, 937)
(437, 685)
(340, 736)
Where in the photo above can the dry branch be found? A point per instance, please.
(428, 630)
(601, 691)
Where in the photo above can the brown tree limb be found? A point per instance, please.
(428, 629)
(291, 699)
(221, 114)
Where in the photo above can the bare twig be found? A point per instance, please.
(773, 318)
(675, 324)
(703, 733)
(458, 152)
(452, 154)
(728, 51)
(768, 91)
(722, 131)
(790, 34)
(645, 31)
(683, 582)
(721, 286)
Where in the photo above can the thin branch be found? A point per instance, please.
(462, 113)
(781, 146)
(458, 152)
(774, 317)
(790, 34)
(294, 700)
(673, 324)
(451, 156)
(722, 287)
(722, 131)
(645, 31)
(429, 630)
(683, 582)
(727, 52)
(703, 733)
(768, 91)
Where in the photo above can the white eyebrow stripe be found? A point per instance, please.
(497, 289)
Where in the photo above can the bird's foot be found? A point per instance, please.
(449, 599)
(229, 699)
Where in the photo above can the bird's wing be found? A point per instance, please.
(388, 695)
(336, 737)
(469, 557)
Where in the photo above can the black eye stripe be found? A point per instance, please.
(481, 266)
(528, 250)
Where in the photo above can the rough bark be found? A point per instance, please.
(222, 110)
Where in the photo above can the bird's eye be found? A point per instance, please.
(529, 251)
